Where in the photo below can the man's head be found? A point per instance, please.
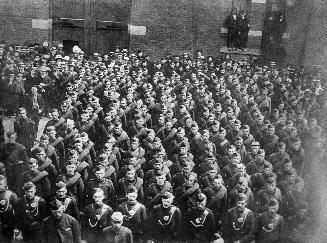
(29, 189)
(11, 136)
(61, 189)
(40, 153)
(130, 173)
(71, 167)
(57, 211)
(100, 172)
(98, 196)
(22, 113)
(132, 194)
(117, 219)
(3, 183)
(167, 199)
(241, 202)
(44, 141)
(201, 201)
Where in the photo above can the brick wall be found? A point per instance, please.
(16, 20)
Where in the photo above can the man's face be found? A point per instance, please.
(201, 205)
(100, 174)
(260, 157)
(40, 156)
(44, 143)
(22, 113)
(194, 130)
(131, 197)
(271, 131)
(12, 138)
(166, 203)
(3, 185)
(71, 169)
(33, 167)
(130, 175)
(57, 214)
(78, 147)
(161, 180)
(273, 209)
(271, 187)
(191, 180)
(98, 198)
(240, 205)
(61, 193)
(30, 193)
(55, 115)
(255, 148)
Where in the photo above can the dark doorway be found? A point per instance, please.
(68, 45)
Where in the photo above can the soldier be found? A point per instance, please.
(117, 233)
(239, 226)
(95, 218)
(243, 27)
(155, 191)
(100, 182)
(130, 179)
(269, 225)
(45, 164)
(7, 218)
(259, 163)
(50, 151)
(134, 214)
(13, 155)
(73, 181)
(60, 227)
(165, 221)
(38, 178)
(68, 203)
(186, 193)
(30, 211)
(25, 129)
(199, 221)
(58, 144)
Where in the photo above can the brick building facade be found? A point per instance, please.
(171, 26)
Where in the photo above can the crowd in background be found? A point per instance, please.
(183, 149)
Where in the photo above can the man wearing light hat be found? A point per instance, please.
(30, 211)
(117, 233)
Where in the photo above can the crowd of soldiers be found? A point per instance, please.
(184, 149)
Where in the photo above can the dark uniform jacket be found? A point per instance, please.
(269, 228)
(64, 230)
(239, 226)
(26, 131)
(94, 220)
(115, 235)
(199, 225)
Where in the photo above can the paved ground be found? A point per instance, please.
(8, 123)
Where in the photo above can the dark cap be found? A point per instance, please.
(200, 197)
(131, 189)
(167, 195)
(28, 185)
(241, 197)
(39, 150)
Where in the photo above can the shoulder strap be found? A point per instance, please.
(39, 176)
(73, 180)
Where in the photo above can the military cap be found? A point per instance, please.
(39, 150)
(241, 197)
(130, 168)
(200, 197)
(99, 168)
(54, 206)
(160, 173)
(158, 161)
(167, 195)
(60, 184)
(117, 216)
(131, 189)
(103, 157)
(44, 137)
(28, 185)
(273, 202)
(255, 143)
(31, 161)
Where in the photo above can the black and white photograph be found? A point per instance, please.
(163, 121)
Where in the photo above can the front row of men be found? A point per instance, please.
(60, 220)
